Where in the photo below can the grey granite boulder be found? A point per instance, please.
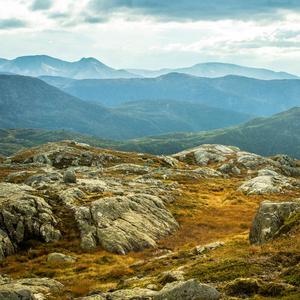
(124, 224)
(69, 196)
(169, 160)
(187, 290)
(170, 276)
(61, 257)
(208, 172)
(224, 168)
(69, 177)
(178, 290)
(265, 185)
(37, 178)
(23, 289)
(130, 294)
(212, 246)
(236, 171)
(130, 168)
(285, 160)
(269, 218)
(203, 156)
(93, 297)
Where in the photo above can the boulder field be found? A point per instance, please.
(123, 203)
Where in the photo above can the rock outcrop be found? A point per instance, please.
(212, 246)
(269, 218)
(265, 184)
(185, 290)
(24, 289)
(69, 176)
(188, 290)
(124, 224)
(61, 257)
(23, 216)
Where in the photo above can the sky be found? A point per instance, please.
(155, 34)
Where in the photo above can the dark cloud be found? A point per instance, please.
(60, 15)
(12, 23)
(168, 10)
(94, 20)
(41, 5)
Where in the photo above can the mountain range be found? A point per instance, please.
(28, 102)
(242, 94)
(91, 68)
(270, 136)
(45, 65)
(214, 70)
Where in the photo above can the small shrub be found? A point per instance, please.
(241, 287)
(105, 260)
(275, 289)
(219, 271)
(80, 269)
(292, 275)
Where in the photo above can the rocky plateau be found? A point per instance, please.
(149, 211)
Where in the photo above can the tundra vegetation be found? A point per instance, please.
(210, 195)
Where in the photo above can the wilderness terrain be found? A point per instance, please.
(130, 225)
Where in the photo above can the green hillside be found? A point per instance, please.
(278, 134)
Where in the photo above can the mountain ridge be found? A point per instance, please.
(243, 94)
(31, 103)
(278, 134)
(39, 65)
(217, 69)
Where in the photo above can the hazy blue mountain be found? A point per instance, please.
(40, 65)
(28, 102)
(214, 69)
(242, 94)
(170, 115)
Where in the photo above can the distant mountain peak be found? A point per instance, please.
(92, 61)
(44, 65)
(89, 59)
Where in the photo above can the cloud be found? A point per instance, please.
(94, 20)
(285, 35)
(41, 5)
(12, 23)
(192, 10)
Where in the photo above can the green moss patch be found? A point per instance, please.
(224, 270)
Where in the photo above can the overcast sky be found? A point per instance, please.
(155, 34)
